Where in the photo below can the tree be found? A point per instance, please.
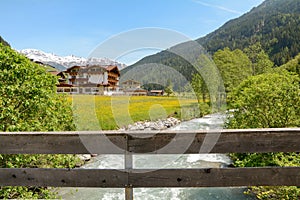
(28, 102)
(28, 99)
(267, 101)
(259, 59)
(200, 87)
(234, 67)
(169, 88)
(291, 66)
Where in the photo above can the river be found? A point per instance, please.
(213, 121)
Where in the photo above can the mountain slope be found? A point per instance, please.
(164, 65)
(3, 41)
(274, 23)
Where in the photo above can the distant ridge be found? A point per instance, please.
(62, 63)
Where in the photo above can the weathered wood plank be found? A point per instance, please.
(257, 141)
(164, 142)
(215, 177)
(62, 143)
(222, 141)
(63, 177)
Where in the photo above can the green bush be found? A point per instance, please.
(28, 99)
(28, 102)
(267, 101)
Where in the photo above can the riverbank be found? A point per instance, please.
(160, 124)
(211, 121)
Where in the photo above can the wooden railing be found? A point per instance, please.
(128, 144)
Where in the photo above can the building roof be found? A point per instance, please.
(112, 68)
(64, 85)
(135, 90)
(108, 68)
(131, 80)
(156, 91)
(75, 66)
(55, 73)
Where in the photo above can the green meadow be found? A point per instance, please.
(109, 113)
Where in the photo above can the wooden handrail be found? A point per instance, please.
(113, 178)
(180, 142)
(161, 142)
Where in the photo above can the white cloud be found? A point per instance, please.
(218, 7)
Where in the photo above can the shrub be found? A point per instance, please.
(267, 101)
(28, 102)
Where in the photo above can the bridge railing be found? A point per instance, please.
(128, 144)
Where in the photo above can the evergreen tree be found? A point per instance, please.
(200, 87)
(259, 59)
(169, 88)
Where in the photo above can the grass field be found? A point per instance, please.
(109, 113)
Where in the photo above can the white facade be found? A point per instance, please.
(90, 80)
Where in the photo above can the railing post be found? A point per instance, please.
(128, 193)
(128, 167)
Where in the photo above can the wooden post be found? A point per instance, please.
(128, 167)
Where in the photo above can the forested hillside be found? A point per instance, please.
(292, 66)
(165, 59)
(273, 24)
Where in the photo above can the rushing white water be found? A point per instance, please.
(214, 121)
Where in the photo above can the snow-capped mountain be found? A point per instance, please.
(61, 63)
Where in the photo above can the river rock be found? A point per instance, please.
(84, 157)
(160, 124)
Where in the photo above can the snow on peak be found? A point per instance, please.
(67, 61)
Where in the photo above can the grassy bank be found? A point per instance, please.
(108, 113)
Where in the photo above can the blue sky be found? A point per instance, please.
(76, 27)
